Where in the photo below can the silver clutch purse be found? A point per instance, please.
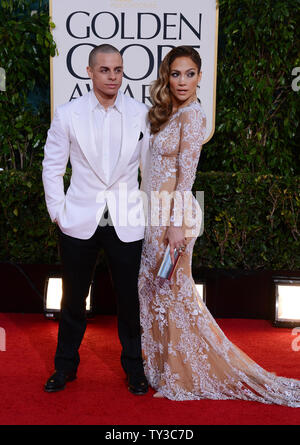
(167, 269)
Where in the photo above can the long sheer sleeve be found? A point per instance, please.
(192, 123)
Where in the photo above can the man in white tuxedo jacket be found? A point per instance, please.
(105, 136)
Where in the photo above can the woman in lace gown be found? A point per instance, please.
(186, 354)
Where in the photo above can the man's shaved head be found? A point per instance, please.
(102, 49)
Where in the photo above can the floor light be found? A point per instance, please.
(53, 295)
(201, 289)
(287, 301)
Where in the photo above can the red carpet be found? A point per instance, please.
(99, 396)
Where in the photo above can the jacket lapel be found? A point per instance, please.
(130, 137)
(83, 127)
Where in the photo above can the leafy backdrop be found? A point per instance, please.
(249, 170)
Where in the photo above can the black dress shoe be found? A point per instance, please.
(137, 384)
(58, 380)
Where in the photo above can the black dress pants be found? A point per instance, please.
(79, 259)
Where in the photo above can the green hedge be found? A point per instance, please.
(26, 232)
(251, 221)
(251, 216)
(26, 44)
(257, 110)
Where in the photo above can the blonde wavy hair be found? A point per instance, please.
(159, 90)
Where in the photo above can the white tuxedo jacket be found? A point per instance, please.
(71, 137)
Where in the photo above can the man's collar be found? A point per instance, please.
(95, 102)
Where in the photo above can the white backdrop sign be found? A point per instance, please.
(144, 31)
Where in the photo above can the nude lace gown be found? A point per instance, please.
(186, 354)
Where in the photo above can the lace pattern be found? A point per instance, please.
(186, 354)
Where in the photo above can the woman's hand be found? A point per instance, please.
(176, 239)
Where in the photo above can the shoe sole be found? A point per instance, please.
(62, 387)
(54, 390)
(137, 393)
